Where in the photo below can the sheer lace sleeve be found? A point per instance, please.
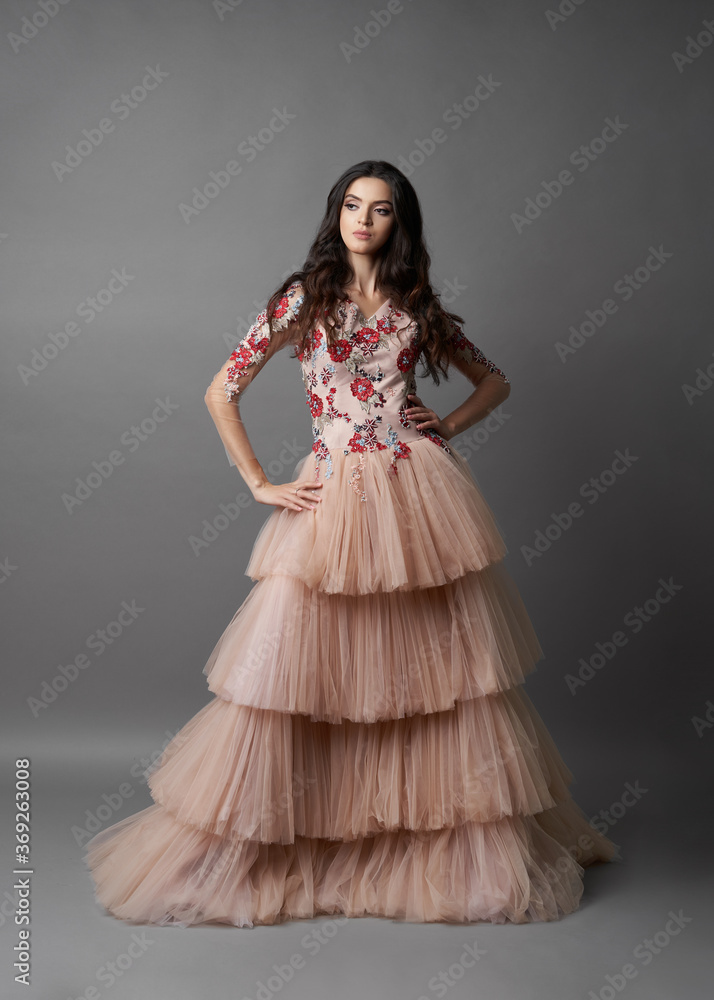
(469, 359)
(491, 385)
(259, 344)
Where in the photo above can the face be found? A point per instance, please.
(367, 208)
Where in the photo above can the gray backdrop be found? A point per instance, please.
(567, 200)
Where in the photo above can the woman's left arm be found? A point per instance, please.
(491, 389)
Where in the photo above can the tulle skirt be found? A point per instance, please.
(369, 749)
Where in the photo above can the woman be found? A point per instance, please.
(369, 749)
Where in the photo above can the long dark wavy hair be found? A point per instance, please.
(403, 271)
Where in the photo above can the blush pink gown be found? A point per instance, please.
(369, 749)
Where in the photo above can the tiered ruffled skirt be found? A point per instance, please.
(369, 749)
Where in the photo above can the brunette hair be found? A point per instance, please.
(403, 271)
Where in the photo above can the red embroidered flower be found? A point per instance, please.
(340, 350)
(362, 388)
(282, 307)
(315, 404)
(357, 442)
(401, 450)
(244, 355)
(386, 325)
(367, 335)
(406, 359)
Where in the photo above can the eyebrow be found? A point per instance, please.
(383, 201)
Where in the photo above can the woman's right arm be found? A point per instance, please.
(222, 395)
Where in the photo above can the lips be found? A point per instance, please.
(362, 234)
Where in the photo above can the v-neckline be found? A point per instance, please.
(368, 319)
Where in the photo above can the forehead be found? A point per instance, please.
(370, 189)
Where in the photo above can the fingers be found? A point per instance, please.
(307, 497)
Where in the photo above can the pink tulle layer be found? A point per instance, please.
(150, 868)
(377, 656)
(422, 526)
(269, 776)
(369, 750)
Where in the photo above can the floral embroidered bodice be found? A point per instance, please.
(356, 389)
